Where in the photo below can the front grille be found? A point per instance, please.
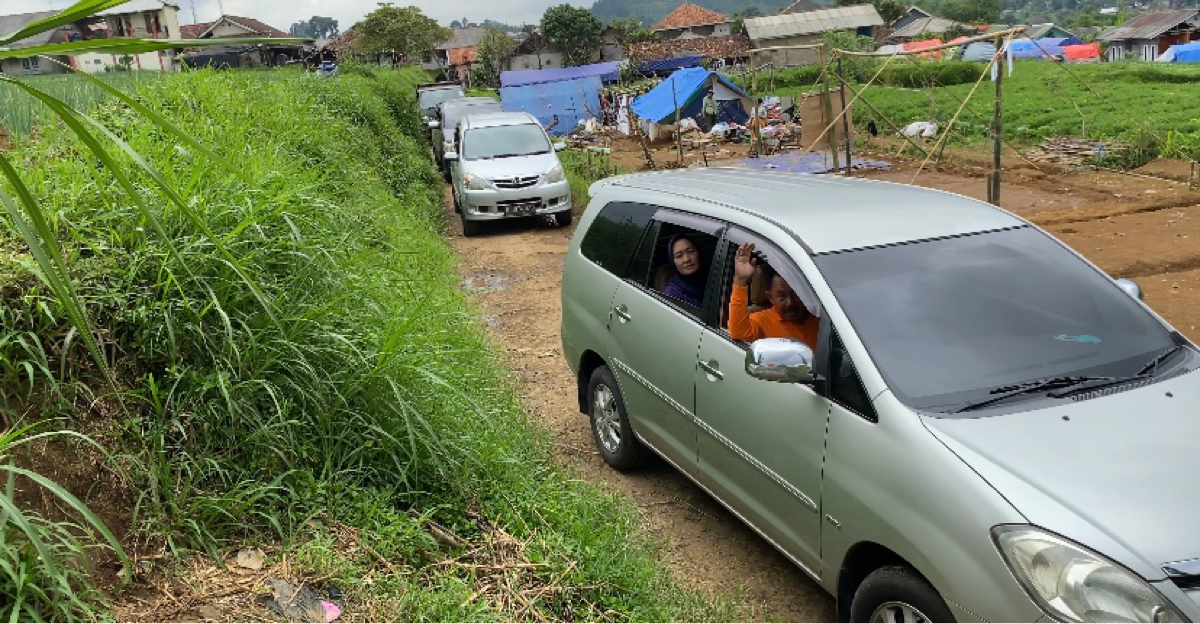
(516, 183)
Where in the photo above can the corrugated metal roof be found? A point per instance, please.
(463, 38)
(793, 24)
(914, 28)
(138, 6)
(1148, 25)
(10, 24)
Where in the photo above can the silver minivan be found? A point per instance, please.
(507, 168)
(935, 409)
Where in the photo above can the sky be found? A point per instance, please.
(283, 13)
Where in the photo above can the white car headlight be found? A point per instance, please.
(1073, 584)
(476, 183)
(556, 175)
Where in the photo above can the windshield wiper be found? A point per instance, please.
(1007, 392)
(1145, 372)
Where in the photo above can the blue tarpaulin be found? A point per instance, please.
(608, 72)
(686, 88)
(669, 65)
(1040, 48)
(1184, 52)
(572, 100)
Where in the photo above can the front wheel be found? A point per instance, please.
(610, 424)
(562, 219)
(898, 594)
(471, 228)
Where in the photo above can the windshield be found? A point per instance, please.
(505, 141)
(431, 98)
(949, 320)
(451, 116)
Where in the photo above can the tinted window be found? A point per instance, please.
(948, 320)
(451, 116)
(433, 97)
(505, 142)
(614, 235)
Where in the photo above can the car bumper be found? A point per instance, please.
(495, 204)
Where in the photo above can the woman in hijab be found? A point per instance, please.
(688, 283)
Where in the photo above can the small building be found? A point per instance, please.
(240, 55)
(804, 6)
(535, 52)
(1048, 31)
(611, 49)
(457, 55)
(719, 51)
(690, 21)
(32, 66)
(793, 29)
(925, 27)
(911, 15)
(1146, 36)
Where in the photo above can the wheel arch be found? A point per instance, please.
(861, 560)
(588, 363)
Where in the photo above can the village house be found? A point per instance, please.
(791, 29)
(723, 50)
(142, 19)
(611, 49)
(240, 55)
(456, 56)
(909, 16)
(1144, 37)
(689, 21)
(535, 52)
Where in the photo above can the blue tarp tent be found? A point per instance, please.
(666, 66)
(686, 88)
(1040, 48)
(1182, 53)
(572, 100)
(608, 72)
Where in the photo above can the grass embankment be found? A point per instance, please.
(364, 394)
(1043, 99)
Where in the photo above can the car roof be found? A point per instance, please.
(824, 212)
(467, 101)
(490, 119)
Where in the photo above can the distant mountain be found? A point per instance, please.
(651, 11)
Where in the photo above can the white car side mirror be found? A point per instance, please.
(450, 156)
(560, 146)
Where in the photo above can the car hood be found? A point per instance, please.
(517, 166)
(1112, 473)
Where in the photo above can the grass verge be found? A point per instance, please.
(363, 396)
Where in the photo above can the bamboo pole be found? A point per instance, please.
(845, 113)
(858, 98)
(997, 131)
(827, 108)
(678, 134)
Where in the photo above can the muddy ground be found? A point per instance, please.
(1130, 226)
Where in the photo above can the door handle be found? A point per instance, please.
(711, 368)
(622, 313)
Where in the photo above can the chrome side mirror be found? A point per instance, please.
(780, 359)
(450, 156)
(1131, 288)
(434, 125)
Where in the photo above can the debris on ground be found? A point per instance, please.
(250, 558)
(1074, 151)
(294, 603)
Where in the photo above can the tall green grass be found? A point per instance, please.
(19, 112)
(369, 396)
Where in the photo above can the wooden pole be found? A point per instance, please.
(678, 134)
(997, 130)
(755, 131)
(827, 107)
(845, 113)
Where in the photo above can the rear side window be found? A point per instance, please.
(613, 237)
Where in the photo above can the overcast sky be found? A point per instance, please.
(283, 13)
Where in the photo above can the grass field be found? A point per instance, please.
(1043, 99)
(354, 388)
(18, 112)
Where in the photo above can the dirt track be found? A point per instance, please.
(1129, 226)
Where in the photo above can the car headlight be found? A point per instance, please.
(1073, 584)
(556, 175)
(476, 183)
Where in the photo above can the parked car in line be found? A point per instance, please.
(448, 114)
(429, 95)
(507, 167)
(986, 427)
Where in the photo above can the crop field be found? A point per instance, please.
(19, 112)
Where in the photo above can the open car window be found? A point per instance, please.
(770, 260)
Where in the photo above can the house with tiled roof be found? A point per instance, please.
(730, 49)
(690, 21)
(241, 55)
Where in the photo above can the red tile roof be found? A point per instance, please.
(256, 28)
(735, 46)
(689, 14)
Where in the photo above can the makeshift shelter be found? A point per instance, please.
(608, 72)
(572, 101)
(979, 51)
(1041, 48)
(666, 66)
(1085, 53)
(921, 45)
(686, 88)
(1182, 53)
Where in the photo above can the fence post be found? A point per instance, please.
(845, 112)
(827, 107)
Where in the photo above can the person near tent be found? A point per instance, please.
(708, 108)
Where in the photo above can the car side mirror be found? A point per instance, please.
(450, 156)
(780, 359)
(560, 146)
(1131, 288)
(434, 125)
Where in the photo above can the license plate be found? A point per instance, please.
(522, 210)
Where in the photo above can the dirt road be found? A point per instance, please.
(1129, 226)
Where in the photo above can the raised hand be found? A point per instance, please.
(743, 264)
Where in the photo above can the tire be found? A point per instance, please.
(898, 594)
(471, 228)
(611, 430)
(454, 200)
(563, 219)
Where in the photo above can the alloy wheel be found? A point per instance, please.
(897, 612)
(607, 418)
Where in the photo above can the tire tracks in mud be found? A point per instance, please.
(514, 273)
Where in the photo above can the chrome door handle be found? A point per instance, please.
(711, 369)
(622, 313)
